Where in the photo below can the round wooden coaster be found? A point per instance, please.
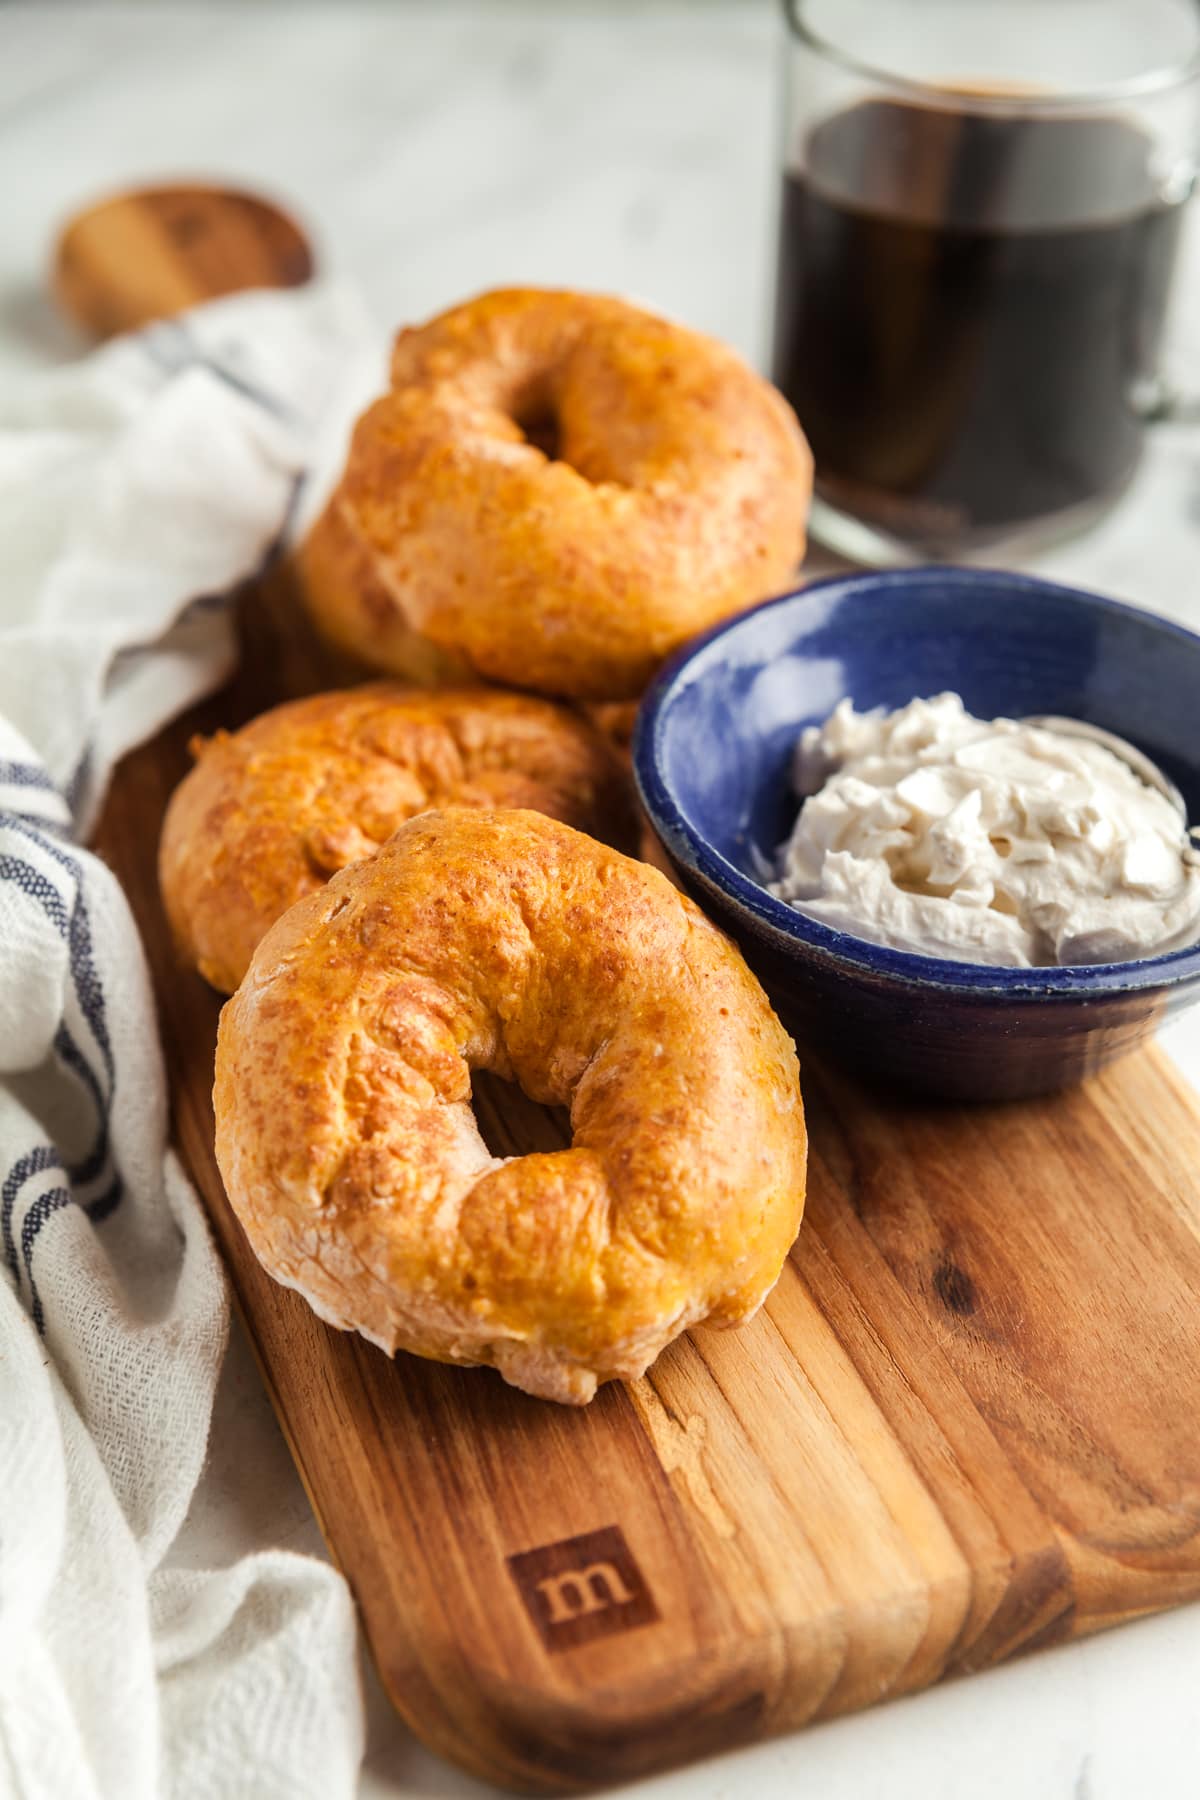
(152, 252)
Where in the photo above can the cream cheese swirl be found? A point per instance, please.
(991, 841)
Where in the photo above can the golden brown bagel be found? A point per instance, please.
(559, 490)
(616, 719)
(270, 812)
(507, 941)
(353, 610)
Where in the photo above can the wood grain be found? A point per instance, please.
(963, 1425)
(152, 252)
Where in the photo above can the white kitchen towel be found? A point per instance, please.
(136, 488)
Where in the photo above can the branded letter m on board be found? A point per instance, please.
(582, 1588)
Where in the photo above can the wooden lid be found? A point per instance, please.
(152, 252)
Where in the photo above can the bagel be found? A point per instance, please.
(270, 812)
(352, 609)
(557, 492)
(507, 941)
(616, 719)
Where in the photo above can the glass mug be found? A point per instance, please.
(981, 210)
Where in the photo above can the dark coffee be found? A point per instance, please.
(968, 313)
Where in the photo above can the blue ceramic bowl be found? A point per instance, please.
(712, 754)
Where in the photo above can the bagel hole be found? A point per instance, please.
(536, 418)
(539, 427)
(510, 1123)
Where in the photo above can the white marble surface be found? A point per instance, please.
(435, 150)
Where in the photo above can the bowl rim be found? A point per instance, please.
(773, 918)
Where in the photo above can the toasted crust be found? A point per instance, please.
(507, 941)
(336, 572)
(674, 493)
(270, 812)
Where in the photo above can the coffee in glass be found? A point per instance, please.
(972, 285)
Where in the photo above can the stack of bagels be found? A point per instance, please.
(426, 875)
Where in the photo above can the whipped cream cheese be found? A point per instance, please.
(990, 842)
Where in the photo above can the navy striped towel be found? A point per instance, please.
(134, 487)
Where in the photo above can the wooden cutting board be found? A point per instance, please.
(963, 1426)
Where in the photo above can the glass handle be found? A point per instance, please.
(1157, 399)
(1173, 407)
(1177, 181)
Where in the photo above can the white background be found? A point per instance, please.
(435, 150)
